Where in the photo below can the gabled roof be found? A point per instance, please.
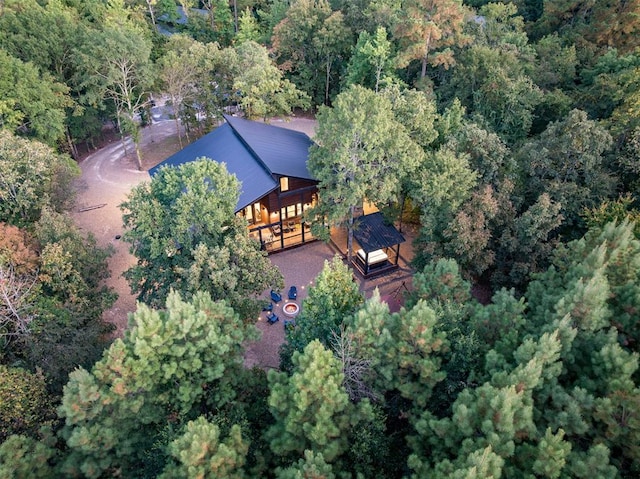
(280, 149)
(256, 153)
(372, 232)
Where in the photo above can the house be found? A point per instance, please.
(271, 165)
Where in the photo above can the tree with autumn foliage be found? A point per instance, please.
(427, 30)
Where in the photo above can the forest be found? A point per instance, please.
(507, 133)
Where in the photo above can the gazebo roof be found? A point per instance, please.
(372, 232)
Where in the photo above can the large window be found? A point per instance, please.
(284, 183)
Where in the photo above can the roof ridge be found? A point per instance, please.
(262, 163)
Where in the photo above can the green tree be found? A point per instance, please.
(307, 43)
(120, 71)
(263, 91)
(22, 457)
(371, 64)
(362, 153)
(25, 404)
(168, 365)
(71, 299)
(32, 176)
(332, 298)
(183, 230)
(332, 42)
(312, 410)
(201, 452)
(312, 466)
(179, 75)
(426, 31)
(567, 162)
(248, 28)
(31, 101)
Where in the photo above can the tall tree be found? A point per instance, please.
(263, 91)
(120, 66)
(32, 177)
(332, 42)
(201, 452)
(179, 76)
(371, 64)
(295, 41)
(183, 230)
(362, 153)
(31, 102)
(567, 162)
(169, 362)
(426, 31)
(311, 409)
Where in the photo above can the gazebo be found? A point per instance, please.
(379, 245)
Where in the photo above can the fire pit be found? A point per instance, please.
(291, 310)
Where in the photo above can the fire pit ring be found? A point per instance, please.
(291, 309)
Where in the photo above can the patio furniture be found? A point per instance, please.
(275, 296)
(276, 230)
(272, 318)
(293, 292)
(291, 226)
(289, 324)
(268, 306)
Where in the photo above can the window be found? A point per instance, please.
(284, 183)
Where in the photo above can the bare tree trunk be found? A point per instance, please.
(72, 146)
(426, 55)
(350, 224)
(153, 17)
(177, 120)
(235, 15)
(138, 156)
(326, 88)
(122, 138)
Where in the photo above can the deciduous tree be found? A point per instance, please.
(32, 176)
(362, 153)
(426, 31)
(263, 91)
(183, 230)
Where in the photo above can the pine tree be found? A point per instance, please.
(168, 363)
(312, 410)
(201, 452)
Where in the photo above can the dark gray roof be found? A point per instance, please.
(280, 149)
(224, 146)
(252, 151)
(372, 232)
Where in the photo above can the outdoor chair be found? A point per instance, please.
(275, 296)
(272, 318)
(268, 306)
(276, 230)
(293, 293)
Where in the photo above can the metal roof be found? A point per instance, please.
(223, 145)
(283, 151)
(372, 232)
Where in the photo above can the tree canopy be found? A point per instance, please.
(183, 230)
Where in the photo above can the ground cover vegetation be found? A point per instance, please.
(509, 131)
